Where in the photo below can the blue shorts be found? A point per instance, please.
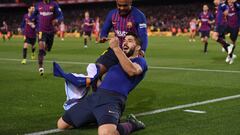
(101, 107)
(30, 41)
(221, 30)
(205, 34)
(48, 38)
(87, 33)
(233, 33)
(108, 58)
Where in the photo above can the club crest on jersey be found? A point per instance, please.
(121, 33)
(129, 25)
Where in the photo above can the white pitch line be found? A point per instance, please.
(46, 132)
(188, 105)
(195, 111)
(154, 112)
(150, 67)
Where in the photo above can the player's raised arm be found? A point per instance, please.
(142, 30)
(131, 48)
(106, 28)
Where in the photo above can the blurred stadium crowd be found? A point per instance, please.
(159, 17)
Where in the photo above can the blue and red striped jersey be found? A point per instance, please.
(116, 77)
(87, 27)
(220, 18)
(232, 18)
(205, 17)
(28, 30)
(46, 13)
(135, 22)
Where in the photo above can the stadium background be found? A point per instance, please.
(178, 16)
(179, 74)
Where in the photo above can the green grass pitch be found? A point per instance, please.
(30, 103)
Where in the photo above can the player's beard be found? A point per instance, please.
(130, 52)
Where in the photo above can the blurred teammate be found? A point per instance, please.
(221, 25)
(88, 24)
(4, 30)
(97, 29)
(105, 107)
(29, 30)
(122, 20)
(193, 29)
(49, 14)
(62, 30)
(232, 26)
(206, 19)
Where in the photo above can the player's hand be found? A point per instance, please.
(114, 43)
(103, 40)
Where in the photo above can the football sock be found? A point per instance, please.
(223, 43)
(41, 55)
(125, 128)
(205, 46)
(85, 41)
(24, 53)
(232, 51)
(33, 49)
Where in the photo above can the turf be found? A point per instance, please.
(31, 103)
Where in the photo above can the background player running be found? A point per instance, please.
(206, 18)
(97, 29)
(232, 26)
(193, 29)
(4, 30)
(62, 30)
(106, 106)
(29, 30)
(221, 25)
(49, 14)
(88, 24)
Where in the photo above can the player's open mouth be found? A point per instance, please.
(125, 47)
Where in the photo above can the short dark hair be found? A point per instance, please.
(138, 40)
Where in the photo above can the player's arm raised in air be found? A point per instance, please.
(131, 68)
(106, 28)
(142, 30)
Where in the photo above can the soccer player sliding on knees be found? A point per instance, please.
(105, 106)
